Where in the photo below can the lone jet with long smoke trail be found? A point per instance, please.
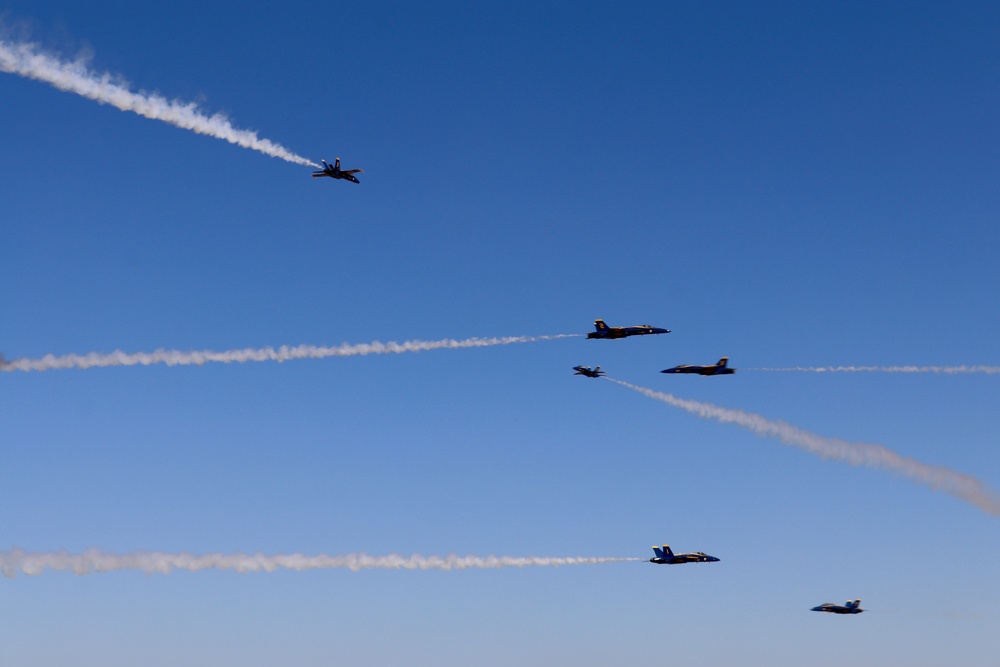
(849, 607)
(334, 171)
(721, 368)
(665, 556)
(604, 331)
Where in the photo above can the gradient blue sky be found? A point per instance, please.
(785, 183)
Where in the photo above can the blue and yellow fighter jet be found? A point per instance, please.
(720, 368)
(334, 171)
(580, 370)
(849, 607)
(604, 331)
(665, 556)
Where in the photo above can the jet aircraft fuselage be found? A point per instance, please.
(849, 607)
(721, 368)
(604, 331)
(334, 171)
(664, 556)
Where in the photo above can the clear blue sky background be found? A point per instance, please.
(784, 183)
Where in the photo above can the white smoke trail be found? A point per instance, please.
(26, 60)
(942, 370)
(17, 561)
(283, 353)
(962, 486)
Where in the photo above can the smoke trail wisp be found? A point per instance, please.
(962, 486)
(24, 59)
(941, 370)
(17, 561)
(283, 353)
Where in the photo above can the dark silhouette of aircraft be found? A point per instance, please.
(585, 370)
(334, 171)
(604, 331)
(665, 556)
(849, 607)
(720, 368)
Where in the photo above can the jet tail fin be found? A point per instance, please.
(853, 604)
(723, 362)
(658, 551)
(600, 325)
(667, 551)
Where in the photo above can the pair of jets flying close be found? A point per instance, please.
(665, 556)
(603, 331)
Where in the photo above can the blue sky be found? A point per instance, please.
(784, 183)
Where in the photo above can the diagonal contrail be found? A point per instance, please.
(283, 353)
(26, 60)
(17, 561)
(962, 486)
(941, 370)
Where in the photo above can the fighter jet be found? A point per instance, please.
(334, 171)
(585, 370)
(849, 607)
(665, 556)
(720, 368)
(604, 331)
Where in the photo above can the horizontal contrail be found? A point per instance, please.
(26, 60)
(962, 486)
(283, 353)
(942, 370)
(17, 561)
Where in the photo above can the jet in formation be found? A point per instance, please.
(604, 331)
(665, 556)
(586, 370)
(334, 171)
(849, 607)
(720, 368)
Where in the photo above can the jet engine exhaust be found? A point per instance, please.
(961, 486)
(17, 561)
(941, 370)
(24, 59)
(283, 353)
